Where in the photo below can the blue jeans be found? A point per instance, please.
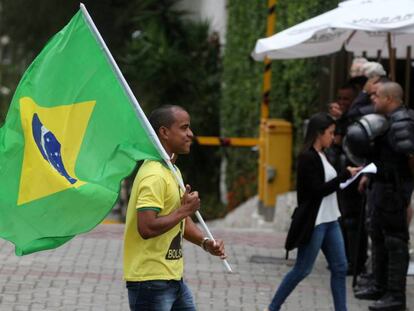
(328, 237)
(160, 295)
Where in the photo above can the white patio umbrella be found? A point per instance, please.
(370, 26)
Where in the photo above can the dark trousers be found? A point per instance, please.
(351, 203)
(390, 236)
(356, 239)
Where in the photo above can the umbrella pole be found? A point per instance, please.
(391, 56)
(408, 76)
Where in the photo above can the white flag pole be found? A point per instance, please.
(141, 116)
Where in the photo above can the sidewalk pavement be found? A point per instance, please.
(86, 274)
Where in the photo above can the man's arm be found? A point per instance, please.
(150, 225)
(193, 234)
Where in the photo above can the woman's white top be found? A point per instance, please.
(329, 210)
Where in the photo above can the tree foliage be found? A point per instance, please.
(173, 60)
(295, 84)
(241, 87)
(30, 24)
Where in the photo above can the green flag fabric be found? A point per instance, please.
(71, 135)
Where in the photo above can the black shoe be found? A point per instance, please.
(369, 293)
(389, 303)
(364, 281)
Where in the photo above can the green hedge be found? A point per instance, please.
(241, 87)
(295, 91)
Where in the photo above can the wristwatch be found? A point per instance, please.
(203, 243)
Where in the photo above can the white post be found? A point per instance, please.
(142, 118)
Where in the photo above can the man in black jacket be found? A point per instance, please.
(392, 188)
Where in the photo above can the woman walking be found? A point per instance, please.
(315, 224)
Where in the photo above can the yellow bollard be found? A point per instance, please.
(278, 163)
(264, 108)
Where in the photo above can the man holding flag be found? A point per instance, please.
(158, 217)
(73, 132)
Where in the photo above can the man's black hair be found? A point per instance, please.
(348, 86)
(358, 82)
(163, 116)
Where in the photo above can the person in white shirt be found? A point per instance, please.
(315, 224)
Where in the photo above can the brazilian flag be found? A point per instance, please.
(71, 135)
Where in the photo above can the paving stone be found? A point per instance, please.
(86, 275)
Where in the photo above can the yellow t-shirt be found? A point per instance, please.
(158, 258)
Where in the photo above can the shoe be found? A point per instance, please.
(389, 303)
(364, 281)
(369, 293)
